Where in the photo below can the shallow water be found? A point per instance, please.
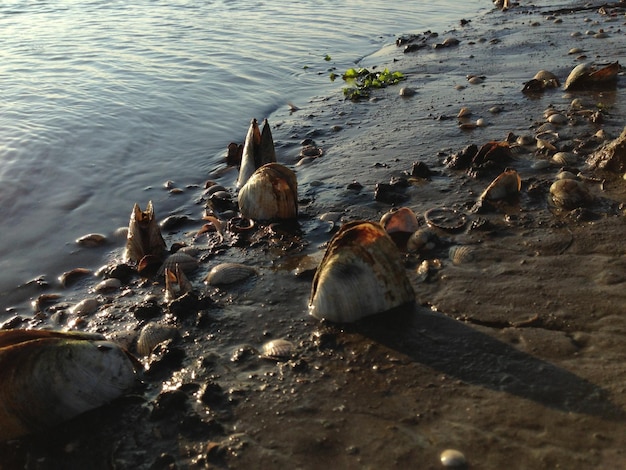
(104, 101)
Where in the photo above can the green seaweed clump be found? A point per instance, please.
(362, 81)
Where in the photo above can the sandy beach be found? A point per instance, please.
(513, 356)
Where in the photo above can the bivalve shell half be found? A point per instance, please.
(569, 194)
(50, 379)
(229, 273)
(461, 254)
(401, 219)
(154, 334)
(564, 159)
(270, 193)
(278, 349)
(507, 184)
(361, 274)
(187, 263)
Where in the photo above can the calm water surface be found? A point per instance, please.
(104, 101)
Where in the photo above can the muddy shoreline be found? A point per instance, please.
(514, 357)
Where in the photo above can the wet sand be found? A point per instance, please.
(514, 357)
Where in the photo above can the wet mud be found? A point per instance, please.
(512, 353)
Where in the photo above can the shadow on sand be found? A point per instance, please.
(453, 348)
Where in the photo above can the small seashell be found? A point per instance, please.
(421, 240)
(85, 307)
(564, 159)
(461, 254)
(506, 185)
(187, 263)
(107, 285)
(525, 139)
(228, 273)
(569, 194)
(279, 349)
(176, 283)
(475, 80)
(154, 334)
(91, 240)
(557, 118)
(401, 219)
(407, 91)
(577, 103)
(480, 122)
(464, 112)
(451, 458)
(543, 144)
(565, 175)
(69, 278)
(495, 110)
(361, 274)
(575, 50)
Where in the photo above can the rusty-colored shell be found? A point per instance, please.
(361, 274)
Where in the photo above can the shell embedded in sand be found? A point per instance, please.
(361, 274)
(569, 194)
(228, 273)
(270, 193)
(48, 377)
(154, 334)
(507, 184)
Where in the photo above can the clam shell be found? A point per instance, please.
(548, 78)
(154, 334)
(445, 219)
(248, 163)
(569, 194)
(187, 263)
(583, 75)
(92, 240)
(85, 306)
(270, 193)
(564, 158)
(228, 273)
(144, 235)
(507, 184)
(52, 378)
(422, 240)
(279, 349)
(401, 219)
(361, 274)
(460, 254)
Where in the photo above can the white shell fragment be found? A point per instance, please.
(51, 376)
(361, 274)
(228, 273)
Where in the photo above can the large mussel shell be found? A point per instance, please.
(144, 235)
(361, 274)
(49, 377)
(270, 193)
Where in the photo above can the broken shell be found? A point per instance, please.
(461, 254)
(361, 274)
(270, 193)
(507, 184)
(49, 377)
(154, 334)
(228, 273)
(278, 349)
(144, 235)
(569, 194)
(445, 219)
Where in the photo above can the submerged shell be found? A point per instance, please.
(144, 235)
(50, 377)
(361, 274)
(278, 349)
(270, 193)
(507, 184)
(152, 335)
(228, 273)
(569, 194)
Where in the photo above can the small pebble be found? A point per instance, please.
(451, 458)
